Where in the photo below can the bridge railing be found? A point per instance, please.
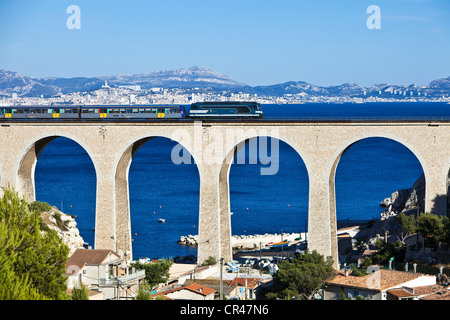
(360, 118)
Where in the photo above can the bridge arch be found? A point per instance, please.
(122, 216)
(332, 169)
(232, 150)
(25, 180)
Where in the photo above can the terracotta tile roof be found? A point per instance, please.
(198, 288)
(380, 280)
(82, 257)
(401, 293)
(208, 282)
(425, 290)
(443, 294)
(194, 287)
(251, 282)
(195, 270)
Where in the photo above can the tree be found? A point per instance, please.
(13, 286)
(81, 293)
(36, 257)
(155, 272)
(143, 292)
(432, 227)
(210, 261)
(387, 250)
(302, 277)
(408, 224)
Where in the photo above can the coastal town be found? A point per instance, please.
(422, 274)
(251, 274)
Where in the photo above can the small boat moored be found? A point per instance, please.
(161, 220)
(280, 244)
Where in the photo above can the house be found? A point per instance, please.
(103, 271)
(245, 288)
(193, 291)
(431, 292)
(374, 286)
(201, 272)
(214, 283)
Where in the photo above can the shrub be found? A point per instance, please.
(40, 206)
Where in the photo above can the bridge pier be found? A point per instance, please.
(435, 191)
(122, 200)
(209, 231)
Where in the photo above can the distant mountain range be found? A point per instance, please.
(199, 78)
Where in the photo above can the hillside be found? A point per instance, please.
(201, 78)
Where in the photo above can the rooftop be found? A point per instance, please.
(379, 280)
(194, 287)
(81, 257)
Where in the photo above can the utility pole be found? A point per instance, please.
(245, 292)
(260, 258)
(221, 280)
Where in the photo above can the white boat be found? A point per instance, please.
(162, 220)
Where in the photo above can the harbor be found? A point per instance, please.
(258, 246)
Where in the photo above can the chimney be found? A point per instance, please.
(346, 272)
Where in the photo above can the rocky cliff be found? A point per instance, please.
(408, 201)
(65, 226)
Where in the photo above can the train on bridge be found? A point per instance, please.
(199, 111)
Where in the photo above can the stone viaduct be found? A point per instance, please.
(213, 146)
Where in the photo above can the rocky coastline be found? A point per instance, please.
(65, 226)
(408, 201)
(247, 242)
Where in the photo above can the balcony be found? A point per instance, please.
(123, 279)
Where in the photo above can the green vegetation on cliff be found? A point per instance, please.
(32, 258)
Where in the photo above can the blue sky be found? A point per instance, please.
(323, 42)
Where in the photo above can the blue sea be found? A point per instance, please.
(369, 171)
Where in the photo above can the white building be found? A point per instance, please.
(374, 286)
(103, 271)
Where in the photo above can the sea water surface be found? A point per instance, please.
(369, 171)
